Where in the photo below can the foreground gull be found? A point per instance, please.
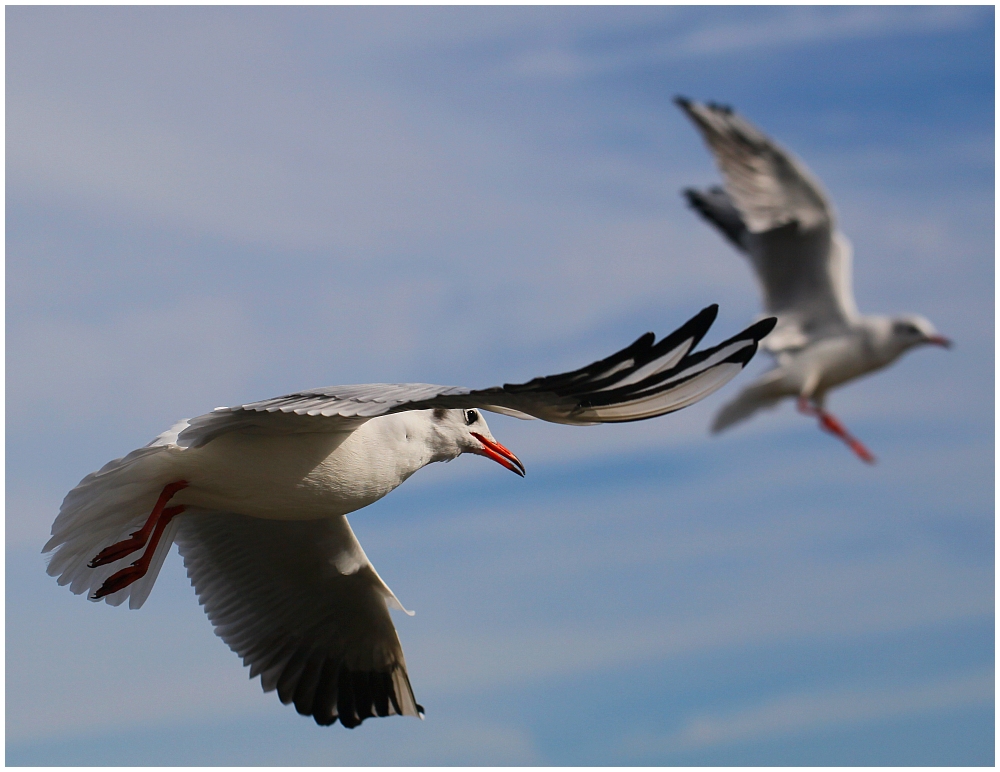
(773, 210)
(255, 497)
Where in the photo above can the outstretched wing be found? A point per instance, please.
(775, 210)
(303, 607)
(641, 381)
(768, 185)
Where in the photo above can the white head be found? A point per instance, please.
(465, 431)
(900, 333)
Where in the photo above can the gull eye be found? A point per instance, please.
(471, 416)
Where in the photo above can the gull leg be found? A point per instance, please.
(829, 423)
(137, 570)
(138, 539)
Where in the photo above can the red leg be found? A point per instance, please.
(137, 570)
(829, 423)
(138, 539)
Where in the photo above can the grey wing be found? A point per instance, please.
(802, 262)
(303, 607)
(768, 185)
(717, 207)
(647, 379)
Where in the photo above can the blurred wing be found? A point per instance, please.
(303, 607)
(842, 274)
(767, 184)
(802, 263)
(644, 380)
(717, 207)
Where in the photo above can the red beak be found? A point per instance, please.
(500, 454)
(939, 340)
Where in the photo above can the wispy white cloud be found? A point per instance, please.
(786, 27)
(75, 373)
(804, 712)
(560, 56)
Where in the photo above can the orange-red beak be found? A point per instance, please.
(939, 340)
(500, 454)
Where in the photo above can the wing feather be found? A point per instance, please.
(768, 185)
(278, 595)
(643, 380)
(802, 262)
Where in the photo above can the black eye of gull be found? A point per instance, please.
(471, 416)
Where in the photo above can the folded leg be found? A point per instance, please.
(138, 539)
(137, 570)
(829, 423)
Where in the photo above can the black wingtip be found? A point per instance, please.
(682, 102)
(762, 328)
(707, 315)
(754, 332)
(720, 108)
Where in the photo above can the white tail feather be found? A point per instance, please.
(103, 509)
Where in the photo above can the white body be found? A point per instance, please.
(305, 476)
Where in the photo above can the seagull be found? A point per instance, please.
(773, 210)
(256, 498)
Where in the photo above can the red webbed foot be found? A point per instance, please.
(122, 579)
(138, 539)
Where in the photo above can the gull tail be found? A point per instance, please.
(762, 394)
(105, 508)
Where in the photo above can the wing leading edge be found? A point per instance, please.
(646, 379)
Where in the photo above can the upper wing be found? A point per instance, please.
(644, 380)
(303, 607)
(802, 262)
(768, 185)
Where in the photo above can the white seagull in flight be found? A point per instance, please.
(256, 496)
(773, 210)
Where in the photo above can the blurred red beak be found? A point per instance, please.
(939, 340)
(500, 454)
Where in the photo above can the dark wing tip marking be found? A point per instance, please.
(762, 328)
(610, 370)
(689, 105)
(350, 696)
(686, 369)
(717, 208)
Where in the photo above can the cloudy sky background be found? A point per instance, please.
(211, 206)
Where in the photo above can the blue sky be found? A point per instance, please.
(211, 206)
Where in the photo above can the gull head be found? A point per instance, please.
(466, 431)
(914, 330)
(892, 336)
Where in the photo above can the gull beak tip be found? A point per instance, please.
(494, 450)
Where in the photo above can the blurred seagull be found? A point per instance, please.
(772, 209)
(256, 496)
